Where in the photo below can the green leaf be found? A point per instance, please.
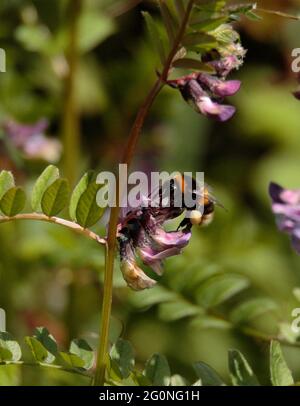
(94, 28)
(240, 371)
(177, 310)
(198, 39)
(6, 182)
(208, 375)
(210, 322)
(241, 8)
(122, 353)
(157, 370)
(169, 21)
(225, 34)
(140, 379)
(55, 197)
(34, 38)
(209, 25)
(253, 16)
(80, 188)
(5, 354)
(71, 360)
(155, 36)
(210, 5)
(88, 212)
(280, 373)
(10, 349)
(43, 345)
(39, 352)
(113, 372)
(252, 308)
(13, 201)
(220, 288)
(49, 175)
(188, 63)
(82, 349)
(46, 339)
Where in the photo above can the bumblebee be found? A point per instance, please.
(203, 210)
(167, 208)
(173, 196)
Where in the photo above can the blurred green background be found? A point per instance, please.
(86, 66)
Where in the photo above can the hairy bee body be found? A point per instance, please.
(201, 213)
(203, 210)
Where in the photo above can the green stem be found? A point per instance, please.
(102, 356)
(71, 125)
(71, 134)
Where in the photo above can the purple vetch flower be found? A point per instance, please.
(32, 141)
(206, 92)
(286, 207)
(203, 102)
(225, 65)
(142, 237)
(134, 276)
(218, 87)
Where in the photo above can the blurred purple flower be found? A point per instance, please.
(286, 207)
(31, 140)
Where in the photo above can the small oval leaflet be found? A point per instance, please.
(48, 176)
(55, 197)
(13, 201)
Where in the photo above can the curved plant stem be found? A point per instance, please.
(56, 220)
(102, 356)
(44, 365)
(245, 330)
(277, 13)
(255, 334)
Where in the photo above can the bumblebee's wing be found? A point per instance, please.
(206, 193)
(161, 192)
